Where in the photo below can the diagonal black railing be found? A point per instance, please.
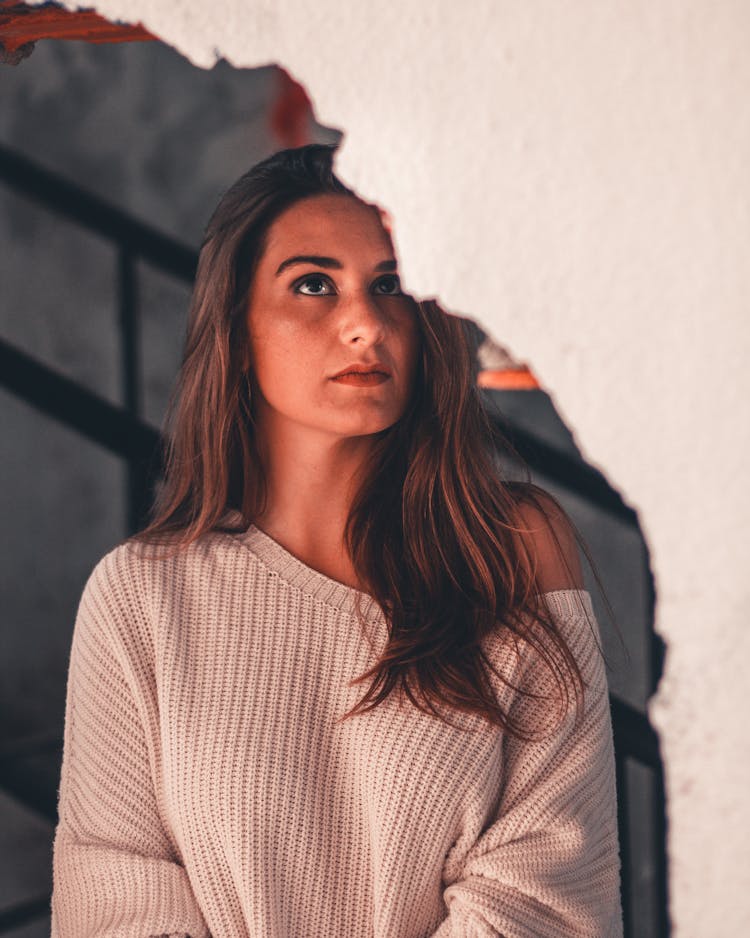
(120, 430)
(63, 197)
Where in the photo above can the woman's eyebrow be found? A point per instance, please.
(330, 262)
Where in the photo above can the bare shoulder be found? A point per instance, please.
(550, 544)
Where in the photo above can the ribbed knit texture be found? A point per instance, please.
(207, 792)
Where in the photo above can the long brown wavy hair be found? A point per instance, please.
(433, 528)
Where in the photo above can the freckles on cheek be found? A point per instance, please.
(285, 354)
(275, 330)
(285, 328)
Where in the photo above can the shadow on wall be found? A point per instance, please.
(136, 126)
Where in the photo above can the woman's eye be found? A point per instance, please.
(316, 279)
(392, 284)
(394, 281)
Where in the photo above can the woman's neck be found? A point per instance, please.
(311, 481)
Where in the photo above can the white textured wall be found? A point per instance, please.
(576, 177)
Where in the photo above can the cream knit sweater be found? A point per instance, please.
(206, 790)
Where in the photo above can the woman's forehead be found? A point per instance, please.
(320, 225)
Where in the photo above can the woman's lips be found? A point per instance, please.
(362, 379)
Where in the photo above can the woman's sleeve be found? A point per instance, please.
(548, 864)
(115, 872)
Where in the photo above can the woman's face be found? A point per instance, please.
(310, 318)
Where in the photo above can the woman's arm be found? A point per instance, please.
(115, 872)
(548, 865)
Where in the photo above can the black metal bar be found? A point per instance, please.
(138, 475)
(660, 852)
(143, 475)
(74, 406)
(66, 198)
(623, 832)
(129, 331)
(634, 736)
(657, 651)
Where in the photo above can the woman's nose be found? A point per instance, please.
(362, 317)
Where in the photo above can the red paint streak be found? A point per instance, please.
(291, 112)
(20, 24)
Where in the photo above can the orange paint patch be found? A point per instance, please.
(508, 379)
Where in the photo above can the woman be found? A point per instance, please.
(313, 532)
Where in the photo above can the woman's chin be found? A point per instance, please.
(364, 427)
